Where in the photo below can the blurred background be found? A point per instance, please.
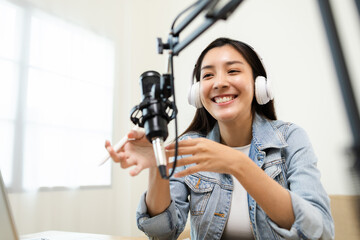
(69, 73)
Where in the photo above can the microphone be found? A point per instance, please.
(154, 117)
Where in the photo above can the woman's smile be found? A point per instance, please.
(224, 99)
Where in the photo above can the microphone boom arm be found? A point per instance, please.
(214, 14)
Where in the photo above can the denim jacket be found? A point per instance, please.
(284, 152)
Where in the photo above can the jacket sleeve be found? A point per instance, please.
(311, 204)
(170, 223)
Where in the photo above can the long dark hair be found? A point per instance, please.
(203, 122)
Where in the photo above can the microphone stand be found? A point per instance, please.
(343, 77)
(216, 10)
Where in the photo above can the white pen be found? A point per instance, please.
(116, 147)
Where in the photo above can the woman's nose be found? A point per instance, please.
(221, 82)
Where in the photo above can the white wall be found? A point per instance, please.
(288, 34)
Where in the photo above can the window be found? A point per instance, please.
(56, 93)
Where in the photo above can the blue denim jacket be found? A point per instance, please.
(284, 152)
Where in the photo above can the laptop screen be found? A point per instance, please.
(7, 227)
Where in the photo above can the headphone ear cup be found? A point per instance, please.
(263, 90)
(269, 89)
(194, 95)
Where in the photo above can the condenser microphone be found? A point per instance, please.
(154, 116)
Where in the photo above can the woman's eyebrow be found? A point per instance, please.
(207, 67)
(227, 63)
(234, 62)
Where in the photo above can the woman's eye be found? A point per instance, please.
(208, 75)
(234, 71)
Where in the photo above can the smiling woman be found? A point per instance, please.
(242, 173)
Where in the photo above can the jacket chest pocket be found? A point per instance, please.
(276, 170)
(200, 193)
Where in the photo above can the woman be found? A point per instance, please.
(242, 173)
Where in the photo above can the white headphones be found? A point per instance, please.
(263, 91)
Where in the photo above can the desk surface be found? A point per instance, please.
(59, 235)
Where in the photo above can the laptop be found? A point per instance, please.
(8, 229)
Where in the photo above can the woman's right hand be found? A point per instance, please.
(137, 151)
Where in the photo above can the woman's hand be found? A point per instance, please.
(137, 152)
(208, 156)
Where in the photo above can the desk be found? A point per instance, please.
(60, 235)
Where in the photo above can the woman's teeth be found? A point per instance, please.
(223, 99)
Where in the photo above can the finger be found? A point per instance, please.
(113, 154)
(136, 134)
(135, 171)
(184, 161)
(124, 160)
(107, 143)
(122, 156)
(118, 157)
(183, 143)
(188, 171)
(127, 162)
(182, 151)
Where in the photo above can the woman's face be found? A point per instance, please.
(226, 84)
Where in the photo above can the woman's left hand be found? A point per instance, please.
(208, 156)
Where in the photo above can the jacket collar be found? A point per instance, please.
(265, 134)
